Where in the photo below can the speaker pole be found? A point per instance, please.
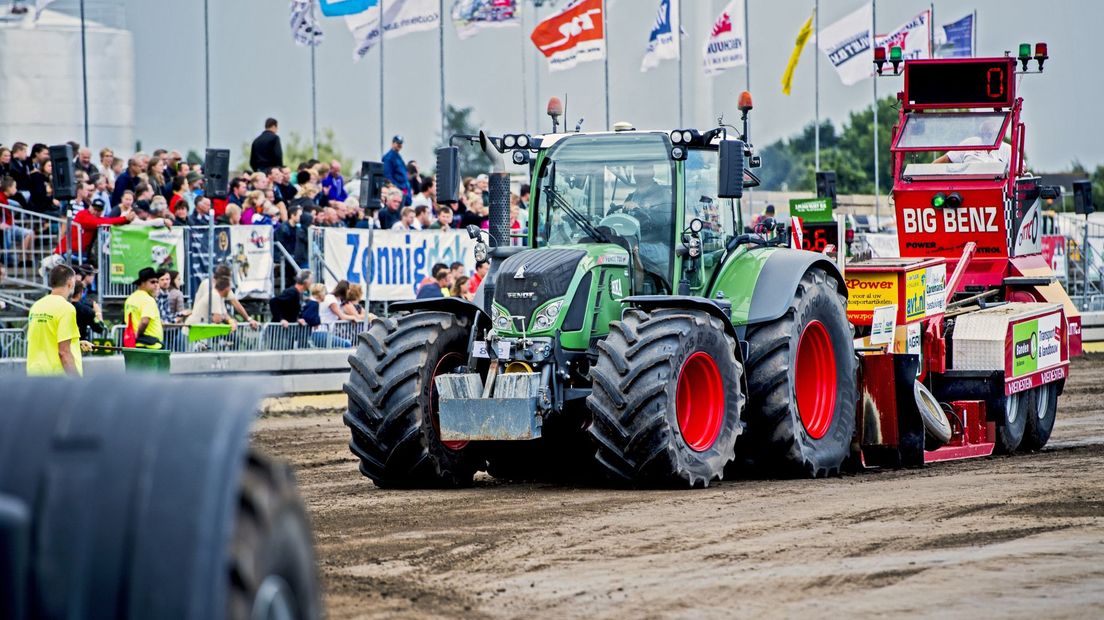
(207, 72)
(84, 74)
(441, 62)
(314, 102)
(382, 131)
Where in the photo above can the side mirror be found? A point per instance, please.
(448, 175)
(731, 178)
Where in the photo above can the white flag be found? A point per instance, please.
(913, 37)
(662, 42)
(726, 46)
(402, 17)
(847, 45)
(304, 27)
(40, 6)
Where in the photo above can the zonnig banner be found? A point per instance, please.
(251, 261)
(391, 264)
(471, 16)
(575, 34)
(134, 247)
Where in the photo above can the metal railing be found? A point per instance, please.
(33, 237)
(266, 337)
(13, 343)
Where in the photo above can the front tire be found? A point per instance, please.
(666, 399)
(393, 401)
(801, 383)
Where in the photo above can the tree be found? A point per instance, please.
(297, 150)
(458, 122)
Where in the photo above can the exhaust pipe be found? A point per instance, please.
(499, 215)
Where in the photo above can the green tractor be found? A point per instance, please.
(638, 332)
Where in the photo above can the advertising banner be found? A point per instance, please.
(847, 44)
(913, 37)
(401, 17)
(391, 264)
(868, 291)
(726, 46)
(1036, 344)
(134, 247)
(471, 16)
(575, 34)
(662, 41)
(251, 261)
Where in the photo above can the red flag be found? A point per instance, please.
(575, 34)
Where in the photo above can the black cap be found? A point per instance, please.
(146, 274)
(99, 203)
(142, 205)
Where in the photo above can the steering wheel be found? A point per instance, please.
(621, 223)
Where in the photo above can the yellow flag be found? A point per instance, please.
(799, 44)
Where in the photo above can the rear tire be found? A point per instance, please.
(272, 568)
(392, 401)
(801, 383)
(666, 399)
(1040, 422)
(1013, 421)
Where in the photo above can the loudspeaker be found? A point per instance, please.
(1083, 198)
(216, 173)
(63, 178)
(826, 185)
(448, 175)
(371, 184)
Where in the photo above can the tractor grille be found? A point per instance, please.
(545, 274)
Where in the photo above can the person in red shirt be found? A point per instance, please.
(481, 269)
(85, 224)
(13, 235)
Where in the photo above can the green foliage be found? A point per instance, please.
(298, 149)
(788, 164)
(458, 121)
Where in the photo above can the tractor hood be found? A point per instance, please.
(558, 288)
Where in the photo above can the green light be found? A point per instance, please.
(895, 54)
(938, 200)
(1025, 50)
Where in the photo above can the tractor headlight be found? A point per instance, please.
(509, 141)
(501, 321)
(547, 317)
(676, 136)
(520, 157)
(523, 141)
(480, 251)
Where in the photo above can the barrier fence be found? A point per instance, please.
(29, 237)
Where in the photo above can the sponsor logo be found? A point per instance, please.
(870, 285)
(520, 273)
(963, 220)
(521, 295)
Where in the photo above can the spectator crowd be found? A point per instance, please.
(163, 189)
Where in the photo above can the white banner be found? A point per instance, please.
(913, 37)
(304, 27)
(251, 261)
(662, 42)
(726, 46)
(576, 34)
(391, 264)
(847, 45)
(471, 16)
(403, 17)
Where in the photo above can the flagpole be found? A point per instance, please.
(605, 59)
(874, 80)
(441, 63)
(207, 73)
(314, 98)
(678, 36)
(524, 77)
(382, 131)
(536, 76)
(973, 39)
(931, 30)
(816, 81)
(84, 75)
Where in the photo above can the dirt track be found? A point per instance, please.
(1020, 536)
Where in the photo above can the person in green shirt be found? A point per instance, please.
(140, 313)
(53, 339)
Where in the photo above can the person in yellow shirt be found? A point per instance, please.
(140, 313)
(53, 339)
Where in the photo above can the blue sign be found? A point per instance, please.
(338, 8)
(960, 38)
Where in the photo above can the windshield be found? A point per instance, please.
(944, 131)
(586, 179)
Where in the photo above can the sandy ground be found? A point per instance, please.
(1008, 537)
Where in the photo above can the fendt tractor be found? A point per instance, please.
(642, 333)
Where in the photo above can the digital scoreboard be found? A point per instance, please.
(966, 83)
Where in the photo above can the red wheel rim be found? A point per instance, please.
(437, 370)
(699, 401)
(815, 372)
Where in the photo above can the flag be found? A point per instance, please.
(847, 44)
(799, 44)
(471, 16)
(402, 18)
(726, 46)
(341, 8)
(40, 6)
(304, 27)
(575, 34)
(913, 37)
(662, 44)
(956, 39)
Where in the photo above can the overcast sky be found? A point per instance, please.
(257, 71)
